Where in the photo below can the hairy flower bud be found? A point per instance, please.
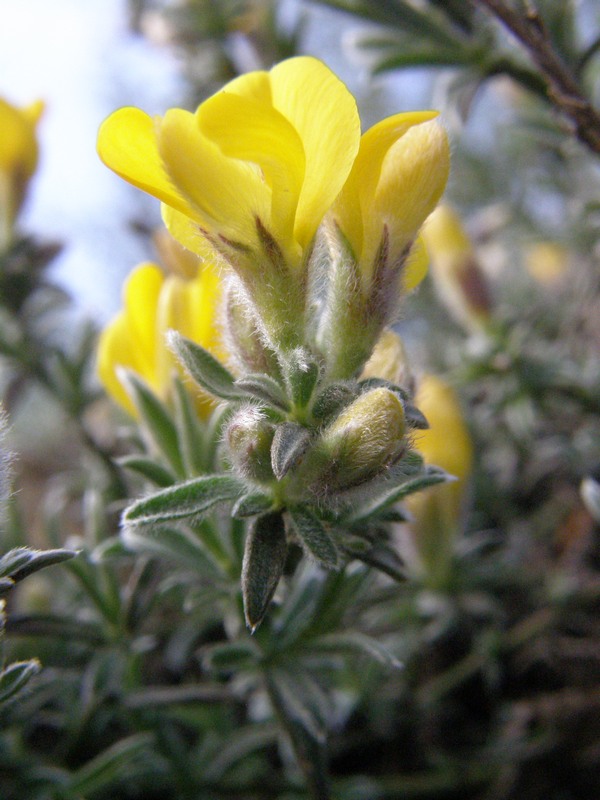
(249, 437)
(365, 438)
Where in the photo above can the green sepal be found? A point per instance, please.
(155, 418)
(148, 468)
(381, 383)
(252, 504)
(203, 367)
(415, 418)
(194, 498)
(301, 374)
(289, 445)
(313, 536)
(263, 387)
(15, 676)
(265, 553)
(333, 399)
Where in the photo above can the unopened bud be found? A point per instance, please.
(249, 437)
(365, 438)
(457, 275)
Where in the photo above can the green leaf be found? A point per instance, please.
(305, 728)
(252, 504)
(190, 429)
(230, 656)
(289, 445)
(203, 367)
(382, 501)
(263, 387)
(264, 559)
(194, 498)
(179, 544)
(313, 537)
(23, 561)
(148, 468)
(355, 642)
(111, 764)
(155, 418)
(15, 676)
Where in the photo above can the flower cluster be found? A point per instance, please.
(272, 178)
(315, 232)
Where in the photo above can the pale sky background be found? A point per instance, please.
(80, 58)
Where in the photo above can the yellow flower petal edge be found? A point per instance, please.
(274, 146)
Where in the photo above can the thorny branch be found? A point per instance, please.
(563, 89)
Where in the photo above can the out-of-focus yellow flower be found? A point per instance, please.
(438, 510)
(389, 361)
(18, 160)
(396, 181)
(546, 262)
(268, 153)
(154, 303)
(458, 279)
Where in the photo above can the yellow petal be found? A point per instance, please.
(127, 144)
(18, 144)
(188, 233)
(324, 114)
(227, 194)
(141, 294)
(250, 130)
(116, 348)
(413, 177)
(416, 266)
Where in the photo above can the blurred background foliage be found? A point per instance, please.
(471, 668)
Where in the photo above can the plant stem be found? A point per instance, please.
(563, 89)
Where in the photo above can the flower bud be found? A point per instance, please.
(458, 279)
(366, 437)
(438, 511)
(249, 437)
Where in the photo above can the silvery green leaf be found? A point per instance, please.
(22, 561)
(148, 468)
(194, 498)
(203, 367)
(15, 676)
(313, 537)
(265, 388)
(177, 543)
(288, 447)
(390, 496)
(252, 504)
(264, 559)
(154, 417)
(356, 642)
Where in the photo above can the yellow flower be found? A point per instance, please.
(270, 151)
(396, 181)
(438, 510)
(457, 276)
(18, 160)
(547, 262)
(135, 338)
